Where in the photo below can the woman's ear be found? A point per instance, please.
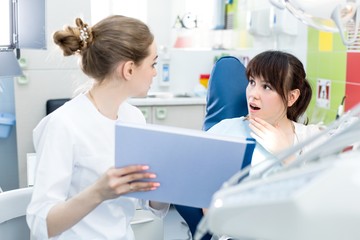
(127, 70)
(293, 97)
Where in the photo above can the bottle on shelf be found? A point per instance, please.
(163, 74)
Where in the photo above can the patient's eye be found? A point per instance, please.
(267, 87)
(251, 82)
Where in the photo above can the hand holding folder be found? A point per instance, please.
(191, 165)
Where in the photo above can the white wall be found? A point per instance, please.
(188, 63)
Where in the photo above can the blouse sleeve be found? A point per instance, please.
(54, 151)
(223, 127)
(304, 132)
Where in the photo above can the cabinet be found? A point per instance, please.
(175, 112)
(191, 116)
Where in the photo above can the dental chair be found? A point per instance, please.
(226, 98)
(13, 205)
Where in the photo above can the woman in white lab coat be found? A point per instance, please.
(78, 194)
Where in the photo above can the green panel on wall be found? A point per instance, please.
(312, 63)
(338, 71)
(329, 65)
(325, 65)
(313, 40)
(338, 44)
(317, 114)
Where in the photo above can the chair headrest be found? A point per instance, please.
(226, 97)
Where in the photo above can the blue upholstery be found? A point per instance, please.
(226, 98)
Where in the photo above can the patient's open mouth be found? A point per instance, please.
(254, 107)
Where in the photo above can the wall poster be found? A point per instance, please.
(323, 87)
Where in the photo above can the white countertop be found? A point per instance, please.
(150, 101)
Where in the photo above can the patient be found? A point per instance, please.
(278, 95)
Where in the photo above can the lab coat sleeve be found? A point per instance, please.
(54, 151)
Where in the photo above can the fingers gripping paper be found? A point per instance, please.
(191, 165)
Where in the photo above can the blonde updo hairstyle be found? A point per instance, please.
(106, 44)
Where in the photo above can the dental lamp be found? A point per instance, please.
(326, 15)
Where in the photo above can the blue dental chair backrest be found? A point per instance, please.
(226, 98)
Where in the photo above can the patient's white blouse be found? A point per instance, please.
(239, 127)
(74, 146)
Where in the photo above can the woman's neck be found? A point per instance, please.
(286, 125)
(107, 99)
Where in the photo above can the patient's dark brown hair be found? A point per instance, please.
(284, 72)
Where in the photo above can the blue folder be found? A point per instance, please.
(191, 165)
